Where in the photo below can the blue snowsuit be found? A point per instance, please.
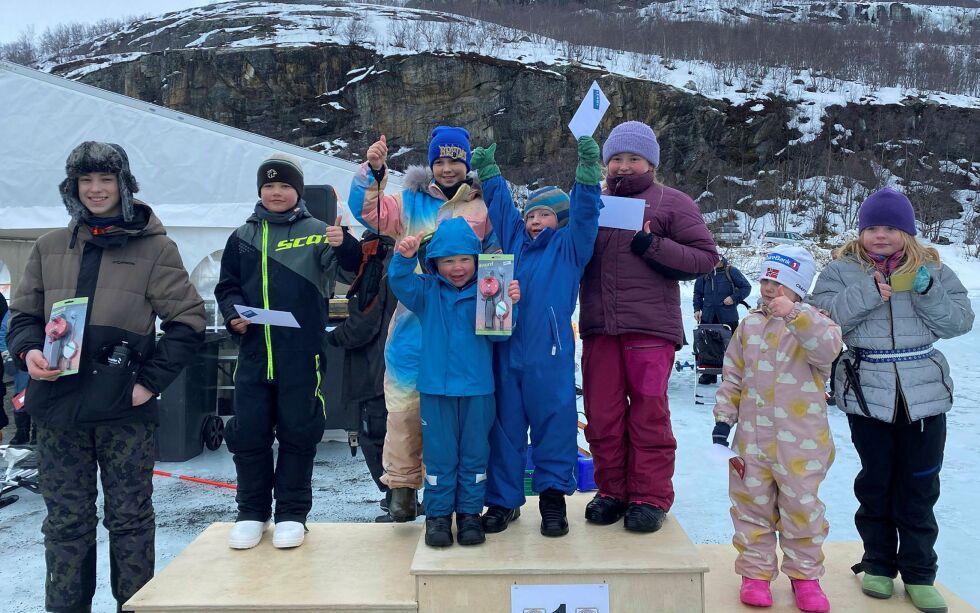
(711, 289)
(455, 377)
(536, 370)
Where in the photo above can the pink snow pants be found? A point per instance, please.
(624, 382)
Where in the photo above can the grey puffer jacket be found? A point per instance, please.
(848, 291)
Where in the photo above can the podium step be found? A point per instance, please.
(843, 588)
(341, 568)
(645, 572)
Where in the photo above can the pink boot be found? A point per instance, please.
(809, 596)
(755, 593)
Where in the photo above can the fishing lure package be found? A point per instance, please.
(63, 335)
(494, 310)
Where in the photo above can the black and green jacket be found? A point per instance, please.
(284, 267)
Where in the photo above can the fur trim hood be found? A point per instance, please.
(93, 156)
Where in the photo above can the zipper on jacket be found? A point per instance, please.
(899, 393)
(269, 370)
(555, 346)
(317, 392)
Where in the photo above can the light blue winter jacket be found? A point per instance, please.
(455, 361)
(847, 290)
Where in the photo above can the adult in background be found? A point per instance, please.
(630, 323)
(716, 299)
(102, 420)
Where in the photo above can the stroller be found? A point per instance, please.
(710, 343)
(21, 472)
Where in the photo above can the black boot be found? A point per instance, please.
(707, 379)
(642, 517)
(469, 529)
(438, 531)
(23, 434)
(554, 521)
(604, 510)
(404, 504)
(496, 518)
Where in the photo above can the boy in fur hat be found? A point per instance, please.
(535, 372)
(101, 421)
(430, 195)
(280, 259)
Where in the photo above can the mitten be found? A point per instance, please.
(720, 434)
(641, 242)
(588, 171)
(923, 280)
(483, 162)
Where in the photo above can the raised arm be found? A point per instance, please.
(504, 216)
(585, 201)
(367, 200)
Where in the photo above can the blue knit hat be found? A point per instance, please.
(887, 207)
(551, 198)
(450, 142)
(632, 137)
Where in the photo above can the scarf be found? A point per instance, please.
(886, 264)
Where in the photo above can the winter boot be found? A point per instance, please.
(604, 510)
(246, 534)
(643, 517)
(404, 504)
(755, 592)
(926, 598)
(877, 586)
(554, 521)
(707, 379)
(809, 596)
(23, 434)
(496, 518)
(288, 534)
(469, 529)
(438, 531)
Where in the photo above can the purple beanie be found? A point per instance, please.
(632, 137)
(887, 207)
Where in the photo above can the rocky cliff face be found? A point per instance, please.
(339, 98)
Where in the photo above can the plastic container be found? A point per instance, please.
(586, 476)
(528, 480)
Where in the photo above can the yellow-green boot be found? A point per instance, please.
(877, 586)
(926, 598)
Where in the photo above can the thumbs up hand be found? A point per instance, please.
(883, 288)
(377, 153)
(335, 233)
(642, 240)
(409, 246)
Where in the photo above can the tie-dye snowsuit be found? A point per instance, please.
(773, 391)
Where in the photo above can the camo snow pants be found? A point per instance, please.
(69, 461)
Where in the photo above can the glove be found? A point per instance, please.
(483, 162)
(720, 434)
(923, 280)
(588, 171)
(641, 242)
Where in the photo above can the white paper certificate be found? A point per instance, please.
(255, 315)
(622, 213)
(589, 113)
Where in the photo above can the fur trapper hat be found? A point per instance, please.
(92, 156)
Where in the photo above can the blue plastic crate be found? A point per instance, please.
(586, 476)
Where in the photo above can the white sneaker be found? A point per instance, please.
(246, 534)
(288, 534)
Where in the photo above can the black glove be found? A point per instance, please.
(641, 242)
(720, 434)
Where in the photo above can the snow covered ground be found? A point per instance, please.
(343, 491)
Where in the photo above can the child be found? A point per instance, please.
(536, 370)
(455, 378)
(430, 195)
(630, 323)
(774, 374)
(895, 388)
(278, 259)
(101, 422)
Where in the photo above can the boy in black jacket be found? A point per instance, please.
(279, 259)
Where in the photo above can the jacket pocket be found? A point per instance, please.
(109, 393)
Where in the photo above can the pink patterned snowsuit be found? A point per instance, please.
(773, 390)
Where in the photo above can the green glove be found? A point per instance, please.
(588, 171)
(923, 280)
(483, 162)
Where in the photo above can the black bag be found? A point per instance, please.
(710, 343)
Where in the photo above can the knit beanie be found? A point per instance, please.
(791, 266)
(450, 142)
(632, 137)
(281, 168)
(551, 198)
(93, 156)
(887, 207)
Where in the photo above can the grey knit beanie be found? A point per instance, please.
(92, 156)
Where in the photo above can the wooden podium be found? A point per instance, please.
(384, 568)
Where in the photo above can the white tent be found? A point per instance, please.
(198, 175)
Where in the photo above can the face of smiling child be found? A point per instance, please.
(99, 192)
(448, 172)
(458, 269)
(278, 197)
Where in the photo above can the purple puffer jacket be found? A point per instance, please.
(622, 292)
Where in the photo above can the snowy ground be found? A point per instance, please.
(343, 491)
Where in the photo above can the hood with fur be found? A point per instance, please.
(92, 156)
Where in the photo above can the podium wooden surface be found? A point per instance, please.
(843, 588)
(341, 568)
(645, 572)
